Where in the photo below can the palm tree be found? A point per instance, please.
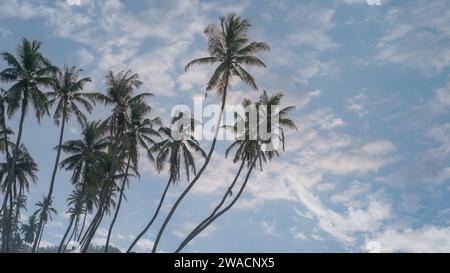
(139, 134)
(249, 150)
(85, 153)
(69, 97)
(120, 95)
(76, 210)
(229, 47)
(45, 211)
(26, 169)
(29, 71)
(29, 230)
(177, 153)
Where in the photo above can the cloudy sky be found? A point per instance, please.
(369, 169)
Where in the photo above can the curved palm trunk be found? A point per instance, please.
(11, 174)
(82, 227)
(71, 235)
(119, 203)
(41, 225)
(202, 169)
(61, 244)
(151, 220)
(191, 235)
(214, 217)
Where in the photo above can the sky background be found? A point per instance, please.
(369, 168)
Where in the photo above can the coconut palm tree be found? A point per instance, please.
(177, 153)
(29, 229)
(76, 210)
(26, 169)
(230, 49)
(28, 71)
(120, 95)
(139, 135)
(84, 155)
(249, 150)
(69, 98)
(44, 211)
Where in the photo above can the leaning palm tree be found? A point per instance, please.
(28, 71)
(140, 134)
(84, 155)
(177, 152)
(120, 94)
(69, 98)
(76, 210)
(250, 148)
(229, 47)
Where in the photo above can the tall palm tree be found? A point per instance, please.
(84, 155)
(177, 153)
(140, 134)
(68, 96)
(229, 47)
(120, 95)
(28, 71)
(76, 210)
(249, 150)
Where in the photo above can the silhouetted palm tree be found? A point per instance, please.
(229, 47)
(249, 150)
(139, 135)
(29, 71)
(177, 153)
(120, 95)
(68, 96)
(29, 229)
(85, 153)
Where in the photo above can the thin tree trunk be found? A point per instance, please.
(61, 244)
(153, 218)
(41, 225)
(71, 235)
(190, 236)
(11, 173)
(125, 179)
(208, 158)
(97, 218)
(212, 219)
(82, 227)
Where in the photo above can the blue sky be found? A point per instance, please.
(369, 169)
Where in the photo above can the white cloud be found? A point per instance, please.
(417, 36)
(74, 2)
(145, 245)
(425, 239)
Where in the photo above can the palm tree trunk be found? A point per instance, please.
(71, 235)
(213, 218)
(41, 225)
(125, 179)
(200, 172)
(153, 218)
(90, 233)
(11, 173)
(61, 244)
(16, 216)
(82, 227)
(191, 235)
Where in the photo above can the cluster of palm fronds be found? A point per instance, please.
(106, 156)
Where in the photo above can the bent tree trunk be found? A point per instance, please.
(151, 220)
(119, 203)
(10, 178)
(191, 235)
(41, 225)
(61, 244)
(200, 172)
(187, 240)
